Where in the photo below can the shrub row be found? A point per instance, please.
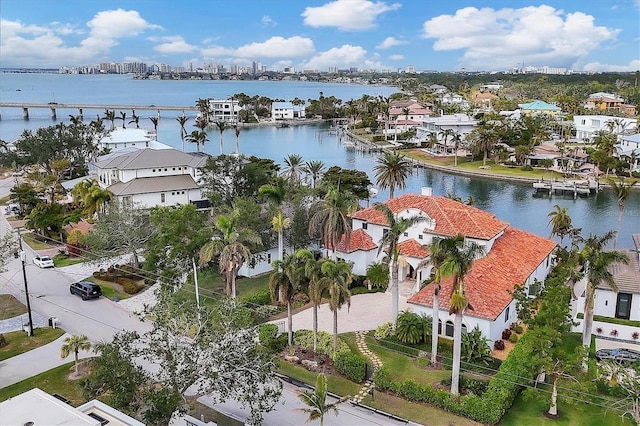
(304, 338)
(353, 366)
(259, 298)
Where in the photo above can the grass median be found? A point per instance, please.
(19, 342)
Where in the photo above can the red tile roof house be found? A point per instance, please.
(512, 257)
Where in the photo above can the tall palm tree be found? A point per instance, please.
(336, 277)
(155, 121)
(110, 115)
(316, 400)
(439, 250)
(484, 139)
(74, 344)
(276, 194)
(204, 107)
(123, 117)
(560, 222)
(622, 190)
(135, 119)
(294, 166)
(457, 139)
(396, 227)
(445, 133)
(330, 217)
(596, 262)
(284, 282)
(457, 265)
(315, 288)
(222, 126)
(391, 171)
(315, 169)
(231, 245)
(236, 130)
(183, 132)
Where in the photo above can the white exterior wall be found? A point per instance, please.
(262, 266)
(587, 126)
(108, 177)
(171, 198)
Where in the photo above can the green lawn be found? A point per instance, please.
(60, 260)
(18, 342)
(30, 240)
(52, 381)
(108, 289)
(210, 286)
(10, 307)
(336, 384)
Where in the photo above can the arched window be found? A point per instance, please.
(448, 331)
(464, 329)
(439, 327)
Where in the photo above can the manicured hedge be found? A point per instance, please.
(353, 366)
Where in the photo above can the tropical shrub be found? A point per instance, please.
(412, 328)
(468, 385)
(519, 329)
(3, 341)
(506, 333)
(384, 330)
(353, 366)
(499, 345)
(266, 333)
(257, 298)
(513, 338)
(304, 338)
(475, 349)
(378, 275)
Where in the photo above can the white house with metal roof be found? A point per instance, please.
(120, 138)
(286, 111)
(151, 177)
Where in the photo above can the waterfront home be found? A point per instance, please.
(286, 111)
(120, 138)
(224, 110)
(461, 124)
(405, 115)
(609, 102)
(628, 146)
(150, 177)
(588, 126)
(512, 257)
(614, 307)
(539, 107)
(454, 99)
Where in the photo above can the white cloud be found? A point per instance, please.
(41, 46)
(347, 15)
(173, 44)
(268, 22)
(216, 52)
(390, 42)
(496, 39)
(344, 56)
(277, 47)
(597, 66)
(396, 57)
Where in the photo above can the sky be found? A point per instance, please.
(479, 35)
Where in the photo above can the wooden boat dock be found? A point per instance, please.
(577, 187)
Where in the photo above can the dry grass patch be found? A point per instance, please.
(10, 307)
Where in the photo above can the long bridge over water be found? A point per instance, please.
(54, 106)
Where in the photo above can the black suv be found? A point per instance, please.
(86, 290)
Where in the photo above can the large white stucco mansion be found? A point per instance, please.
(512, 257)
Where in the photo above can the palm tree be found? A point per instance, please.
(182, 120)
(155, 121)
(123, 117)
(456, 138)
(457, 265)
(222, 126)
(110, 115)
(204, 107)
(560, 222)
(135, 119)
(284, 282)
(231, 245)
(484, 139)
(445, 133)
(294, 167)
(336, 277)
(276, 195)
(74, 343)
(391, 171)
(317, 401)
(237, 133)
(597, 262)
(330, 217)
(315, 169)
(622, 190)
(198, 137)
(395, 228)
(316, 286)
(439, 250)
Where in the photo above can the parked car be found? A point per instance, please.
(43, 261)
(621, 355)
(86, 290)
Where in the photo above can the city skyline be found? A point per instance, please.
(321, 35)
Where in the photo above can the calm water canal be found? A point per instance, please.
(514, 203)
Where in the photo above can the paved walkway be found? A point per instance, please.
(369, 385)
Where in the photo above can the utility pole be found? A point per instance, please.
(23, 258)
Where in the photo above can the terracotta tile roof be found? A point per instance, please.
(359, 240)
(452, 217)
(412, 248)
(83, 226)
(513, 258)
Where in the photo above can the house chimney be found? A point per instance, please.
(427, 191)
